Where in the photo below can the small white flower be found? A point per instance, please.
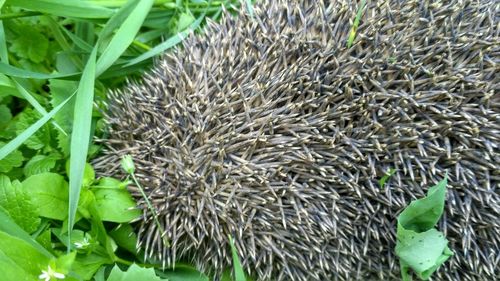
(83, 244)
(48, 274)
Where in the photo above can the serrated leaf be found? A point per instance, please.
(13, 160)
(183, 273)
(18, 204)
(40, 164)
(40, 138)
(49, 191)
(60, 90)
(133, 273)
(30, 44)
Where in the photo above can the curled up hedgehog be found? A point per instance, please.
(270, 129)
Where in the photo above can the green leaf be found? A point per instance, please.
(133, 273)
(29, 262)
(124, 35)
(60, 90)
(387, 175)
(16, 142)
(80, 136)
(49, 192)
(420, 246)
(40, 164)
(185, 20)
(76, 9)
(422, 214)
(116, 205)
(5, 115)
(87, 265)
(30, 44)
(15, 200)
(239, 274)
(124, 235)
(41, 138)
(183, 273)
(12, 160)
(8, 226)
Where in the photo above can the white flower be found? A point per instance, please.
(83, 244)
(48, 274)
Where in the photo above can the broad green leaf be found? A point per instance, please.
(116, 205)
(49, 192)
(420, 246)
(16, 142)
(16, 201)
(41, 138)
(183, 273)
(30, 44)
(63, 8)
(24, 255)
(133, 273)
(423, 252)
(239, 274)
(422, 214)
(40, 164)
(12, 160)
(80, 136)
(124, 235)
(11, 271)
(45, 239)
(185, 20)
(87, 265)
(124, 36)
(8, 226)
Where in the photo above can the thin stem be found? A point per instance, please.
(153, 212)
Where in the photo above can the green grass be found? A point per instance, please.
(57, 60)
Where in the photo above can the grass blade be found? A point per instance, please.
(4, 55)
(63, 8)
(21, 138)
(239, 274)
(387, 175)
(21, 73)
(24, 93)
(124, 36)
(354, 29)
(80, 137)
(169, 43)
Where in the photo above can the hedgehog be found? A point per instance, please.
(268, 128)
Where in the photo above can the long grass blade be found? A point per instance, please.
(239, 274)
(80, 137)
(124, 36)
(354, 28)
(4, 55)
(21, 138)
(27, 95)
(169, 43)
(21, 73)
(71, 9)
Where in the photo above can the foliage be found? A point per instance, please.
(420, 246)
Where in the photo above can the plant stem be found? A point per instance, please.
(153, 212)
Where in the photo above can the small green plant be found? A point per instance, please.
(387, 175)
(420, 247)
(354, 28)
